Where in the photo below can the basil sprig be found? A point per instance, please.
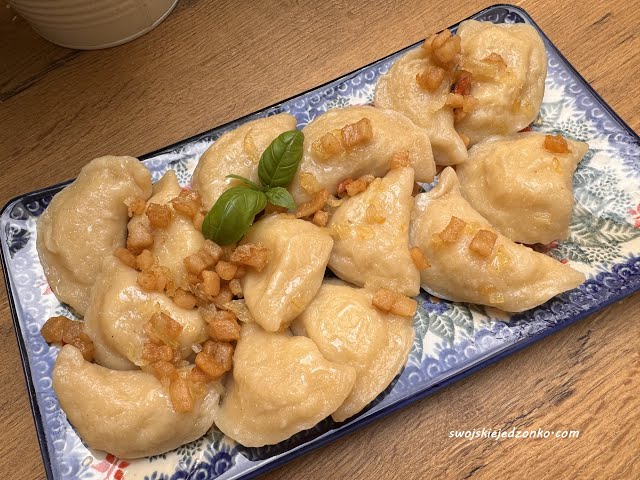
(280, 197)
(236, 209)
(232, 214)
(279, 162)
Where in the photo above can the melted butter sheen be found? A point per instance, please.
(379, 258)
(146, 422)
(280, 386)
(85, 222)
(299, 252)
(348, 330)
(393, 132)
(513, 277)
(508, 179)
(180, 238)
(118, 310)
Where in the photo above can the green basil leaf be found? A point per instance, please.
(232, 214)
(246, 181)
(280, 197)
(279, 162)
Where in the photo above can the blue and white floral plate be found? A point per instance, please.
(452, 339)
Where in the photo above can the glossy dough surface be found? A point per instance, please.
(521, 188)
(513, 278)
(128, 414)
(399, 90)
(85, 222)
(118, 310)
(237, 152)
(509, 99)
(178, 240)
(349, 330)
(371, 235)
(299, 252)
(393, 132)
(280, 386)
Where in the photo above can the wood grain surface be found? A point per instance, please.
(211, 62)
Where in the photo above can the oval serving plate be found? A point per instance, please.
(452, 339)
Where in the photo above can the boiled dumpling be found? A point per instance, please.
(128, 414)
(508, 65)
(399, 90)
(471, 263)
(180, 238)
(85, 222)
(355, 141)
(281, 385)
(520, 187)
(237, 152)
(299, 252)
(371, 235)
(118, 310)
(349, 330)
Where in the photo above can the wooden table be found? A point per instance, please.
(211, 62)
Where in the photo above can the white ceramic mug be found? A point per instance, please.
(91, 24)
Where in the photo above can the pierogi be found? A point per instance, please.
(281, 385)
(118, 310)
(85, 222)
(524, 190)
(399, 90)
(299, 252)
(180, 238)
(465, 267)
(237, 152)
(391, 133)
(128, 414)
(371, 235)
(349, 330)
(509, 91)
